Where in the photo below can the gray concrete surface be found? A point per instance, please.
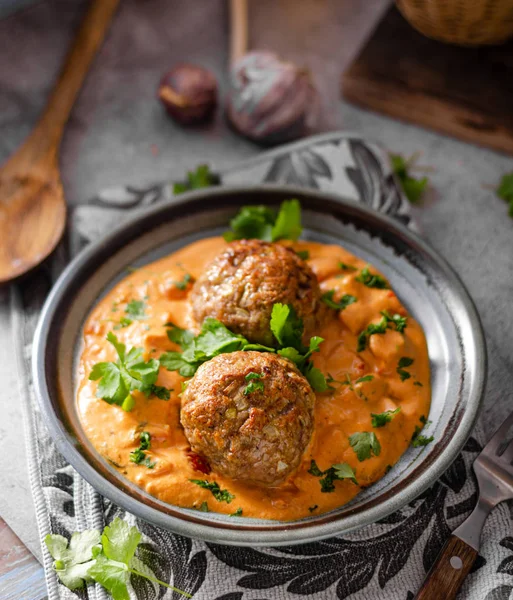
(118, 133)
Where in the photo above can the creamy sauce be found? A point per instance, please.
(338, 414)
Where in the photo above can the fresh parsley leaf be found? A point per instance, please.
(138, 456)
(109, 559)
(201, 177)
(135, 309)
(387, 321)
(204, 507)
(412, 188)
(237, 513)
(405, 361)
(316, 378)
(365, 444)
(254, 385)
(335, 473)
(219, 494)
(162, 393)
(344, 301)
(418, 440)
(370, 280)
(123, 322)
(381, 419)
(345, 267)
(184, 282)
(505, 191)
(179, 336)
(304, 254)
(73, 560)
(286, 326)
(261, 222)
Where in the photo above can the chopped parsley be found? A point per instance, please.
(365, 378)
(344, 301)
(237, 513)
(123, 322)
(263, 223)
(254, 385)
(412, 188)
(337, 472)
(201, 177)
(345, 267)
(387, 321)
(505, 191)
(162, 393)
(370, 280)
(203, 507)
(312, 508)
(418, 440)
(135, 309)
(381, 419)
(418, 383)
(138, 456)
(365, 444)
(107, 558)
(129, 373)
(304, 254)
(184, 282)
(404, 361)
(219, 494)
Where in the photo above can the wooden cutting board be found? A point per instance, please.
(463, 92)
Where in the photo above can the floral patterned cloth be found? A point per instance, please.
(385, 561)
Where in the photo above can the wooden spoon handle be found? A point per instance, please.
(451, 567)
(87, 42)
(238, 29)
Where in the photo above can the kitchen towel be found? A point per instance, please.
(385, 561)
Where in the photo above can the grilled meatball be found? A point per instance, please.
(240, 286)
(255, 433)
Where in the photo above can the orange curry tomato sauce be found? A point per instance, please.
(338, 414)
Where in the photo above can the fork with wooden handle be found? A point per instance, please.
(494, 472)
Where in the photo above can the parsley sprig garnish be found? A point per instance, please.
(138, 456)
(107, 558)
(387, 321)
(263, 223)
(371, 280)
(404, 361)
(219, 494)
(381, 419)
(340, 304)
(129, 373)
(201, 177)
(215, 338)
(365, 444)
(337, 472)
(418, 440)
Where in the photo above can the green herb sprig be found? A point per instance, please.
(365, 444)
(107, 558)
(199, 178)
(371, 280)
(381, 419)
(387, 321)
(138, 456)
(336, 472)
(219, 494)
(341, 304)
(505, 191)
(412, 188)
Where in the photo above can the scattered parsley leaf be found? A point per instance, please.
(395, 319)
(179, 336)
(335, 473)
(505, 191)
(365, 378)
(219, 494)
(418, 383)
(254, 384)
(107, 558)
(381, 419)
(418, 440)
(261, 222)
(387, 321)
(162, 393)
(304, 254)
(138, 456)
(237, 513)
(135, 309)
(201, 177)
(312, 508)
(203, 507)
(405, 361)
(123, 322)
(365, 444)
(286, 326)
(345, 267)
(184, 282)
(370, 280)
(344, 301)
(412, 188)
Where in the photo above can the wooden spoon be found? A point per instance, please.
(32, 206)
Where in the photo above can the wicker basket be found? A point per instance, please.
(462, 22)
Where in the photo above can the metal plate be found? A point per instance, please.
(424, 282)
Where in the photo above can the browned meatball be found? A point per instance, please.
(250, 414)
(241, 285)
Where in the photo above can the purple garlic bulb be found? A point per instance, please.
(271, 101)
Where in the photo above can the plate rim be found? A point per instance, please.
(219, 534)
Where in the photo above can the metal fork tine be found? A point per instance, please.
(499, 436)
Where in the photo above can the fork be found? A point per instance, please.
(494, 471)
